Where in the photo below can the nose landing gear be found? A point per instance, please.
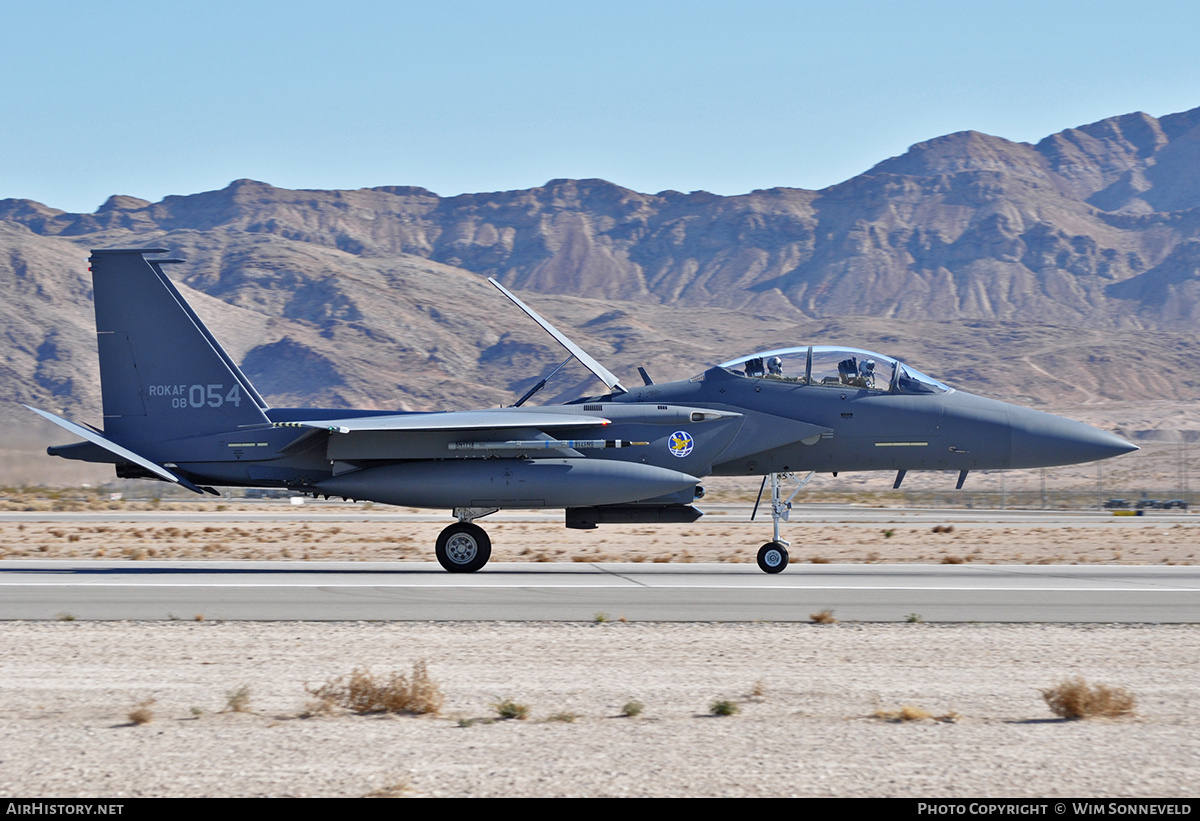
(773, 556)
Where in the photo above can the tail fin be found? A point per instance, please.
(162, 373)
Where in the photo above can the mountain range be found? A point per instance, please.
(1065, 273)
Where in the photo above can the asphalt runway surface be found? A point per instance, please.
(511, 591)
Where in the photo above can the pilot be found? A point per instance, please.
(866, 374)
(775, 366)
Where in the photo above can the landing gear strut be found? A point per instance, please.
(464, 547)
(773, 556)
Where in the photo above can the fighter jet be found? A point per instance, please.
(177, 408)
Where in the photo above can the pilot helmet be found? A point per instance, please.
(775, 364)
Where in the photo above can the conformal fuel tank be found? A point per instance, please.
(507, 483)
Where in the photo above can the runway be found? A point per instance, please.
(510, 591)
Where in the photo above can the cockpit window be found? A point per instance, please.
(832, 366)
(784, 364)
(913, 381)
(852, 368)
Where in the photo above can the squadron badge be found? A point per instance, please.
(681, 443)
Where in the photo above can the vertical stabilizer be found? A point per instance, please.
(162, 373)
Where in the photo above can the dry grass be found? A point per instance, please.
(238, 701)
(509, 709)
(725, 707)
(399, 788)
(141, 712)
(824, 617)
(361, 692)
(910, 712)
(1074, 699)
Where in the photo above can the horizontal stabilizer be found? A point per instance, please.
(498, 419)
(113, 447)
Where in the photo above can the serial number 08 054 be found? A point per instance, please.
(199, 396)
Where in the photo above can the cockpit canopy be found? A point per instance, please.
(832, 366)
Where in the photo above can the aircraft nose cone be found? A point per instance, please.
(1042, 439)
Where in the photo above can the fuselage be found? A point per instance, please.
(879, 430)
(754, 425)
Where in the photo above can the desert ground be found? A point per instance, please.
(710, 540)
(228, 709)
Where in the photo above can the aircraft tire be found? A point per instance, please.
(772, 557)
(463, 548)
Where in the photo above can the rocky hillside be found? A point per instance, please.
(1062, 272)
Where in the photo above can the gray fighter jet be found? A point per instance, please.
(177, 408)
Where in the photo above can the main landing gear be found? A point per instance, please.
(773, 556)
(464, 547)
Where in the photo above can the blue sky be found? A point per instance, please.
(151, 99)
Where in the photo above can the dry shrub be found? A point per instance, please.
(399, 788)
(509, 709)
(724, 707)
(632, 709)
(911, 712)
(141, 712)
(953, 560)
(906, 713)
(824, 617)
(363, 693)
(238, 701)
(1074, 699)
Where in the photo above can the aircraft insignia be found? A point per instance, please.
(681, 443)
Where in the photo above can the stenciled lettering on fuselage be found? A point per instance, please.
(198, 396)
